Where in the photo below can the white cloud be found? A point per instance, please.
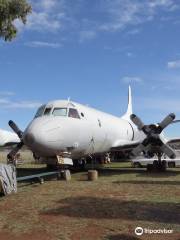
(123, 13)
(128, 79)
(47, 15)
(22, 104)
(6, 93)
(133, 31)
(43, 44)
(160, 3)
(48, 5)
(174, 64)
(129, 54)
(6, 102)
(39, 21)
(161, 104)
(70, 16)
(87, 35)
(120, 15)
(42, 21)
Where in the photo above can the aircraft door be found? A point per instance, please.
(99, 136)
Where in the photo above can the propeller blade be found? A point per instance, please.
(166, 121)
(16, 129)
(137, 121)
(15, 150)
(137, 150)
(168, 151)
(141, 147)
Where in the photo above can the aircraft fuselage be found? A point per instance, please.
(89, 131)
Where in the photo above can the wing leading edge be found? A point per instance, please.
(124, 145)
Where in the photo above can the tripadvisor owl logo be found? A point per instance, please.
(139, 231)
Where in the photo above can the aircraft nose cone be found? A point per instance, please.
(42, 136)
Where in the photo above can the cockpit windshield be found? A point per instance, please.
(40, 111)
(73, 113)
(47, 111)
(60, 112)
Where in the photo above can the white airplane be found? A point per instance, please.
(8, 138)
(63, 131)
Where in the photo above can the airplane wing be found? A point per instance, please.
(174, 140)
(8, 138)
(124, 145)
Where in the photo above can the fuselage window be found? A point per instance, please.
(82, 114)
(47, 111)
(99, 122)
(73, 113)
(60, 112)
(40, 111)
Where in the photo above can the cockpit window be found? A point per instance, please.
(40, 111)
(60, 112)
(73, 113)
(47, 111)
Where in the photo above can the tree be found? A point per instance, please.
(11, 10)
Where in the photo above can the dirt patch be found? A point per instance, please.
(89, 232)
(107, 209)
(26, 236)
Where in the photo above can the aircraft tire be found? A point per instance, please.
(150, 167)
(67, 175)
(163, 166)
(156, 165)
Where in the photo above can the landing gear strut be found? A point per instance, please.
(158, 165)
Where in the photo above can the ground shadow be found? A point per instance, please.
(140, 172)
(116, 171)
(166, 174)
(108, 208)
(25, 172)
(29, 171)
(155, 182)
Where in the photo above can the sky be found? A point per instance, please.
(90, 51)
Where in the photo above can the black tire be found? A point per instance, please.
(156, 164)
(171, 164)
(150, 167)
(163, 166)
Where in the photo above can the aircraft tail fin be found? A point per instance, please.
(129, 107)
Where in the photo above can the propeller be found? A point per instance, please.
(137, 121)
(153, 142)
(16, 129)
(166, 121)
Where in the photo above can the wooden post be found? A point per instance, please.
(92, 175)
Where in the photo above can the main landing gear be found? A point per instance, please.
(158, 165)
